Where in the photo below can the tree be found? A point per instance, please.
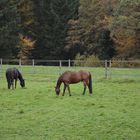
(26, 33)
(25, 46)
(9, 27)
(42, 29)
(121, 18)
(74, 43)
(125, 28)
(51, 17)
(95, 16)
(63, 11)
(105, 46)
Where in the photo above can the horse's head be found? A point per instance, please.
(22, 83)
(57, 90)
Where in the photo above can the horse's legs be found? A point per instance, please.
(12, 83)
(9, 85)
(8, 82)
(64, 90)
(69, 90)
(89, 89)
(15, 83)
(84, 87)
(66, 86)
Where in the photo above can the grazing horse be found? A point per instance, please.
(70, 77)
(13, 74)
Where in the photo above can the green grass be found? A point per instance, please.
(36, 113)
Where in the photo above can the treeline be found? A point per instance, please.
(70, 29)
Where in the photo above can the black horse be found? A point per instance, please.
(14, 74)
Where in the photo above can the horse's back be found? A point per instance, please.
(12, 70)
(84, 74)
(75, 73)
(74, 76)
(69, 73)
(12, 73)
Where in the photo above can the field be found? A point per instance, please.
(36, 113)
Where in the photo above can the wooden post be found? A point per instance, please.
(110, 74)
(69, 63)
(1, 62)
(106, 76)
(60, 66)
(1, 67)
(20, 63)
(33, 62)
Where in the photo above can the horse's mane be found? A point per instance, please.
(59, 81)
(18, 72)
(67, 72)
(19, 75)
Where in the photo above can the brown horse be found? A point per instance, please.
(70, 77)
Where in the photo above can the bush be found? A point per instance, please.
(125, 63)
(89, 61)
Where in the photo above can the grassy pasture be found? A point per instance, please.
(36, 113)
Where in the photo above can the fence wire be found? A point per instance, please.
(51, 69)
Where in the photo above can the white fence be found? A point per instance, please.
(106, 68)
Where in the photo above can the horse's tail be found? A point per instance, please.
(90, 83)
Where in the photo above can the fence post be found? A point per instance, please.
(60, 66)
(110, 74)
(1, 62)
(106, 69)
(69, 63)
(19, 62)
(1, 67)
(33, 64)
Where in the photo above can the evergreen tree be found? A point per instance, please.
(9, 27)
(42, 28)
(105, 45)
(62, 11)
(74, 44)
